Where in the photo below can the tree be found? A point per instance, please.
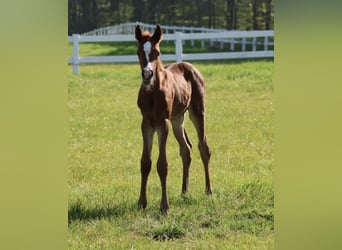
(171, 12)
(256, 6)
(231, 15)
(268, 19)
(86, 15)
(211, 12)
(138, 10)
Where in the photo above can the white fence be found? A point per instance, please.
(128, 28)
(233, 37)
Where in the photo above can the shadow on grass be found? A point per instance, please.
(77, 211)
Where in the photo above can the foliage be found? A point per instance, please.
(104, 154)
(228, 14)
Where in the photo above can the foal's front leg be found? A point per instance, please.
(147, 132)
(162, 165)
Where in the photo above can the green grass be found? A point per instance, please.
(105, 145)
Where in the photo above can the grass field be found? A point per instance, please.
(105, 146)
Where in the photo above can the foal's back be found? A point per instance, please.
(188, 84)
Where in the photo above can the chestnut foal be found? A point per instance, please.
(166, 93)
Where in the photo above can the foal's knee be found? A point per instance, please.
(162, 167)
(145, 165)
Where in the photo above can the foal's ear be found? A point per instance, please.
(138, 33)
(157, 35)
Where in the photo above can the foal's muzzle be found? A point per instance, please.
(147, 75)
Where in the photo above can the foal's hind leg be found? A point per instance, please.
(197, 117)
(184, 148)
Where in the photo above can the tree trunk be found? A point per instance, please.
(268, 14)
(138, 10)
(214, 15)
(94, 14)
(256, 4)
(210, 13)
(231, 15)
(198, 13)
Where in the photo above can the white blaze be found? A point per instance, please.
(147, 50)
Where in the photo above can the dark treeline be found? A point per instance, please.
(86, 15)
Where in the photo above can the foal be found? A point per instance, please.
(166, 93)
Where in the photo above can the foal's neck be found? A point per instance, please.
(158, 66)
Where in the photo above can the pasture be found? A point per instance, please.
(105, 146)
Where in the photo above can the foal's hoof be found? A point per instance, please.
(142, 204)
(208, 192)
(164, 209)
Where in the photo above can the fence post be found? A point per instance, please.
(75, 54)
(179, 46)
(166, 32)
(202, 41)
(254, 43)
(266, 43)
(192, 41)
(232, 44)
(244, 44)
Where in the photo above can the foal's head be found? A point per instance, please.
(148, 52)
